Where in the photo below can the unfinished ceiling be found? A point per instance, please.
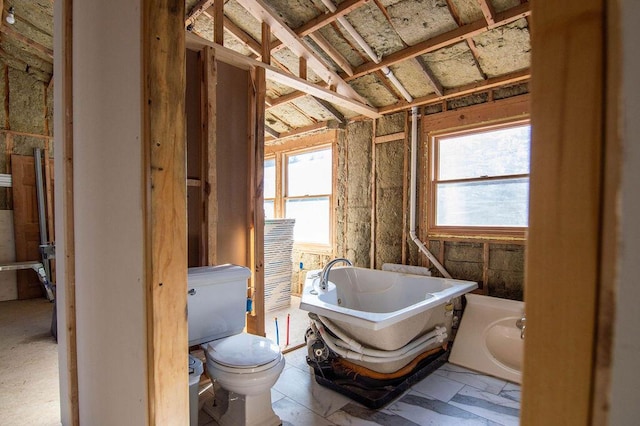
(386, 54)
(27, 44)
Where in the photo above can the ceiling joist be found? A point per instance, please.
(197, 10)
(263, 13)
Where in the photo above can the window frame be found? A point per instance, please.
(491, 232)
(282, 172)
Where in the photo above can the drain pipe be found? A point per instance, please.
(412, 200)
(363, 44)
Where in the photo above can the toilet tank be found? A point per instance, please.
(216, 302)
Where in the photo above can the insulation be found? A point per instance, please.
(374, 28)
(412, 78)
(453, 66)
(465, 101)
(340, 43)
(292, 116)
(243, 19)
(502, 5)
(295, 12)
(418, 20)
(507, 92)
(390, 124)
(505, 49)
(313, 108)
(468, 10)
(370, 87)
(289, 59)
(26, 103)
(275, 122)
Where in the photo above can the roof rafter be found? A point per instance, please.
(488, 11)
(261, 11)
(445, 39)
(197, 10)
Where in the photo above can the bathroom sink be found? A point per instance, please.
(504, 343)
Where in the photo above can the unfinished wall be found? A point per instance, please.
(25, 119)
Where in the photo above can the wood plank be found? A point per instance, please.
(337, 115)
(331, 124)
(509, 109)
(263, 13)
(433, 80)
(516, 77)
(233, 58)
(485, 268)
(443, 40)
(332, 52)
(564, 244)
(197, 10)
(390, 138)
(67, 202)
(318, 139)
(302, 68)
(487, 11)
(164, 129)
(8, 142)
(218, 22)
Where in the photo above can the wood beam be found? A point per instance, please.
(315, 24)
(265, 52)
(268, 130)
(332, 52)
(443, 40)
(488, 11)
(248, 41)
(302, 68)
(218, 22)
(516, 77)
(437, 86)
(323, 125)
(197, 10)
(263, 12)
(286, 98)
(234, 58)
(331, 109)
(10, 32)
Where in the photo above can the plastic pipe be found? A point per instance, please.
(348, 343)
(368, 50)
(412, 201)
(288, 325)
(277, 333)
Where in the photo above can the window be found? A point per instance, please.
(306, 190)
(480, 181)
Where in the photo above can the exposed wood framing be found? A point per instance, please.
(476, 56)
(337, 115)
(10, 32)
(69, 282)
(271, 132)
(197, 10)
(264, 51)
(372, 248)
(242, 36)
(315, 24)
(263, 13)
(437, 86)
(307, 129)
(485, 268)
(289, 80)
(297, 143)
(7, 94)
(390, 138)
(218, 22)
(405, 188)
(302, 68)
(8, 141)
(332, 52)
(286, 98)
(565, 254)
(516, 77)
(488, 11)
(164, 123)
(443, 40)
(209, 154)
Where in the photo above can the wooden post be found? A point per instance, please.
(164, 122)
(405, 187)
(565, 229)
(209, 155)
(218, 22)
(485, 268)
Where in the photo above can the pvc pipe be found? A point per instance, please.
(328, 340)
(412, 201)
(368, 50)
(277, 333)
(288, 325)
(348, 343)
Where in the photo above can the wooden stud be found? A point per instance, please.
(311, 128)
(390, 138)
(164, 122)
(564, 246)
(487, 11)
(372, 250)
(7, 94)
(218, 22)
(197, 10)
(332, 52)
(433, 80)
(485, 268)
(296, 142)
(209, 156)
(11, 33)
(339, 117)
(405, 187)
(248, 41)
(8, 141)
(302, 68)
(72, 400)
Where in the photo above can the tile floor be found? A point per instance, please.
(450, 396)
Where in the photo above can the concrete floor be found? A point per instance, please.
(29, 392)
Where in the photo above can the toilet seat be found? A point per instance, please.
(243, 353)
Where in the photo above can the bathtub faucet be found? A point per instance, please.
(324, 276)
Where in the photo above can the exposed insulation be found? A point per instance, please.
(295, 12)
(339, 42)
(374, 28)
(412, 78)
(468, 10)
(390, 124)
(465, 101)
(26, 103)
(369, 87)
(507, 92)
(34, 19)
(314, 109)
(275, 90)
(291, 115)
(287, 58)
(433, 108)
(3, 115)
(502, 5)
(275, 122)
(24, 145)
(453, 66)
(243, 19)
(504, 49)
(418, 20)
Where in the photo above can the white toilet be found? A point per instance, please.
(244, 366)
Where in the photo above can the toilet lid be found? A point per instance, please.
(243, 351)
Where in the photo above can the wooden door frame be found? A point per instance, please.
(571, 244)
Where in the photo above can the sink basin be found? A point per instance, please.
(504, 343)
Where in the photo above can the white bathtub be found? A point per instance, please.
(381, 309)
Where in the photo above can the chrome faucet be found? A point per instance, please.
(324, 276)
(522, 325)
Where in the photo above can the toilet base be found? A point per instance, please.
(232, 409)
